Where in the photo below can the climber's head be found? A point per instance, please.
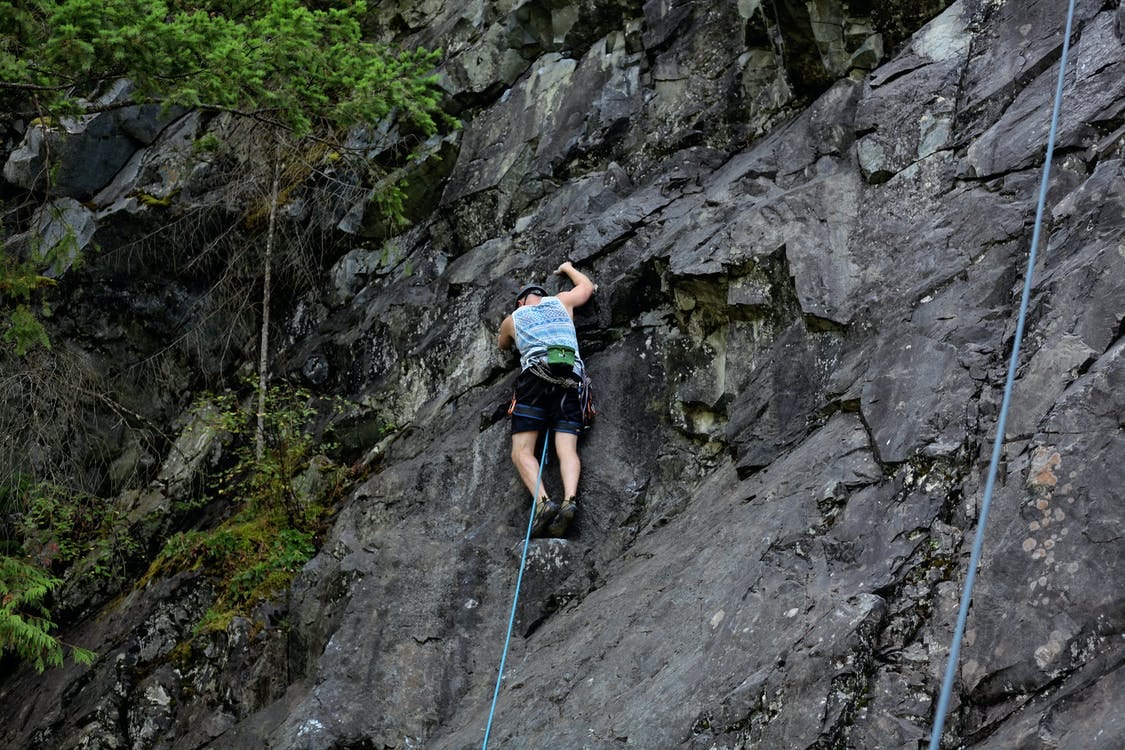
(528, 292)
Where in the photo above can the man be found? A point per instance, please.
(548, 390)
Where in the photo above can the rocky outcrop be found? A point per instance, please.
(809, 266)
(89, 150)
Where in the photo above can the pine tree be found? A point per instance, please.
(300, 67)
(282, 61)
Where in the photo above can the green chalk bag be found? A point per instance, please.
(561, 360)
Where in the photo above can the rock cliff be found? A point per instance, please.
(809, 224)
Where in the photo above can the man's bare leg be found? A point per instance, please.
(570, 466)
(523, 456)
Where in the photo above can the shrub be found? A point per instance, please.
(254, 555)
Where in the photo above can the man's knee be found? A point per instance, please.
(566, 445)
(522, 446)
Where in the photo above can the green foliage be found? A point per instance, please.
(56, 528)
(62, 527)
(160, 202)
(254, 555)
(208, 143)
(24, 621)
(24, 331)
(251, 557)
(297, 64)
(269, 485)
(22, 282)
(390, 204)
(20, 328)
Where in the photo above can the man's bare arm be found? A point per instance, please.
(582, 291)
(507, 335)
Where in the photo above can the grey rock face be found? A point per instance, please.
(798, 348)
(61, 230)
(89, 150)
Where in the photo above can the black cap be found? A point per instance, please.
(531, 289)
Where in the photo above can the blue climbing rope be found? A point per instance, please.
(516, 596)
(986, 502)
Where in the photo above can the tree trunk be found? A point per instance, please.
(264, 345)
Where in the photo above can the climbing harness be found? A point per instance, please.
(516, 596)
(586, 399)
(543, 371)
(585, 393)
(978, 544)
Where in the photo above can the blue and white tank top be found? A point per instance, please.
(543, 325)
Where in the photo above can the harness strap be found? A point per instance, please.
(543, 371)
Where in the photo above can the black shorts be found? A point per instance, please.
(541, 405)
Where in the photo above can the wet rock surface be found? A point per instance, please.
(809, 261)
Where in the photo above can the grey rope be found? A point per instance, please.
(978, 544)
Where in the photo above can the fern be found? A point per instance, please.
(25, 623)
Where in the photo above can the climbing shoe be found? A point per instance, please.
(545, 511)
(563, 518)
